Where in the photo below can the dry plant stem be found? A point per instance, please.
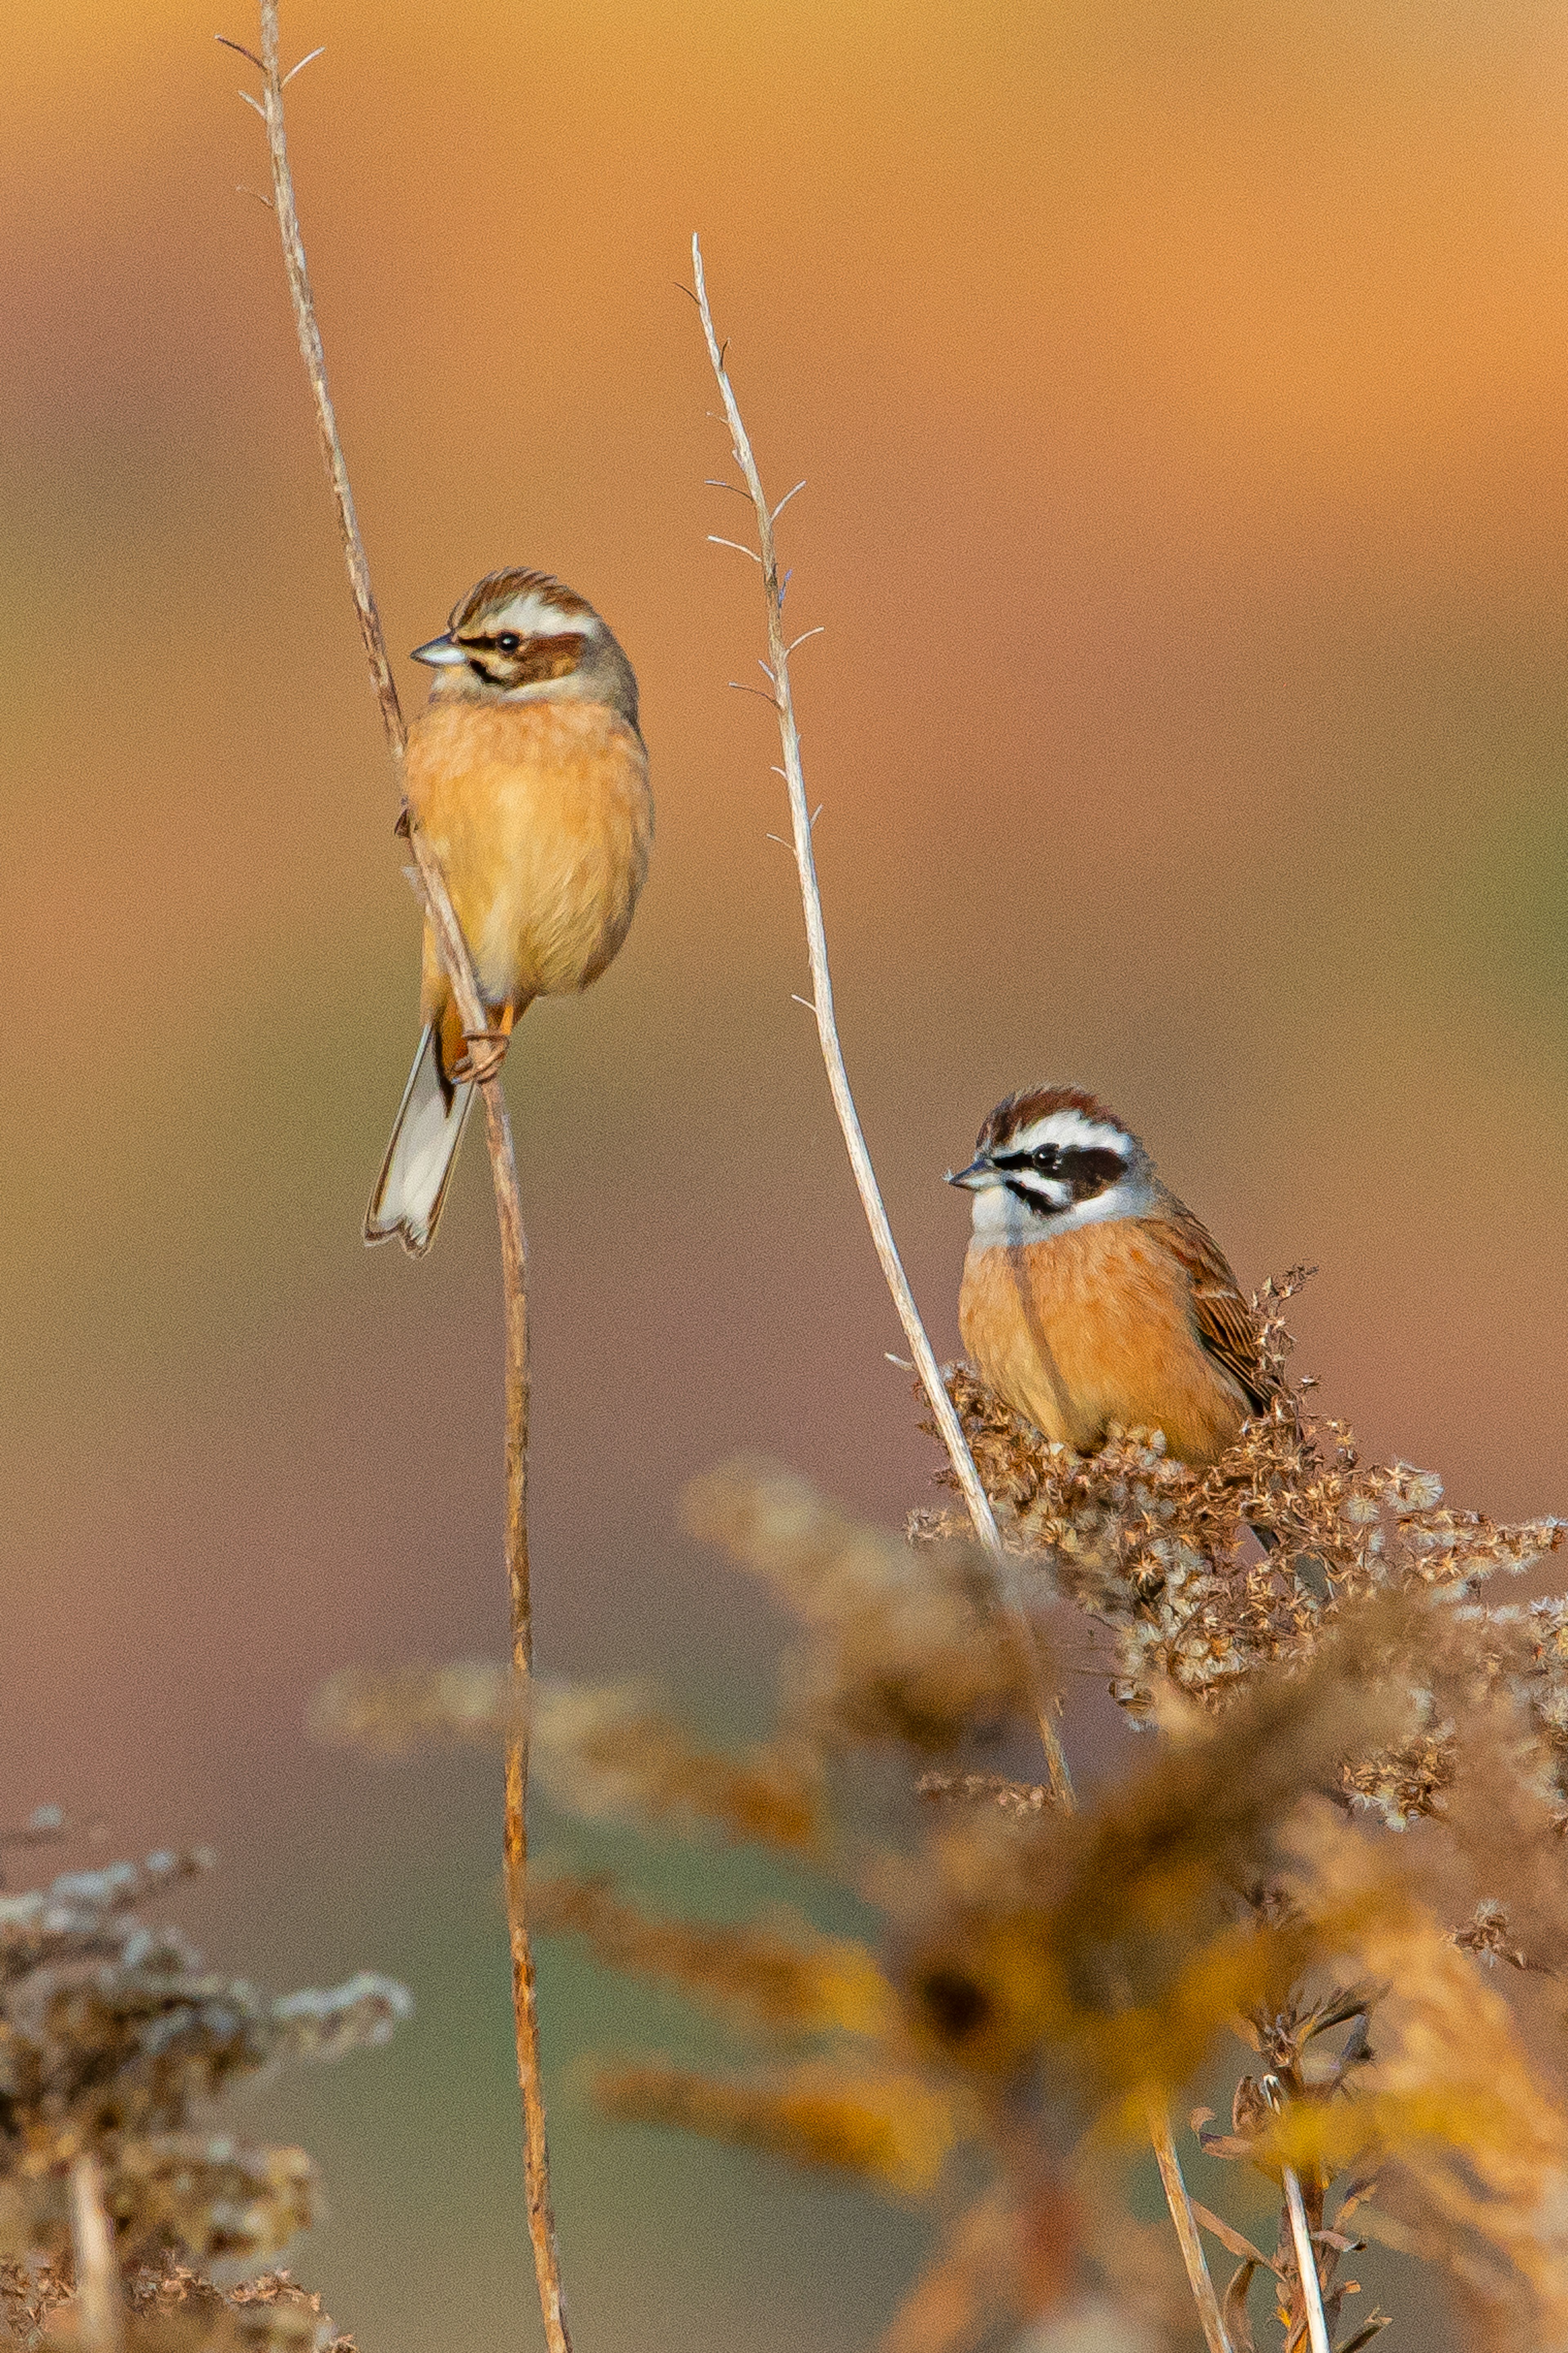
(1187, 2232)
(1301, 2239)
(968, 1477)
(1306, 2265)
(432, 890)
(100, 2301)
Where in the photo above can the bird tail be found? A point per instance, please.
(412, 1186)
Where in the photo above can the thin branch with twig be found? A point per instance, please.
(821, 1005)
(431, 887)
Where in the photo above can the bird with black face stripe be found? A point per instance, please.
(526, 773)
(1091, 1294)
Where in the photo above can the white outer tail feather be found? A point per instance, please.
(412, 1186)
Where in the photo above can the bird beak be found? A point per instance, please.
(979, 1174)
(440, 653)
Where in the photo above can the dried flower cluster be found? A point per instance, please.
(1042, 1986)
(170, 2309)
(1163, 1557)
(600, 1749)
(913, 1659)
(116, 2044)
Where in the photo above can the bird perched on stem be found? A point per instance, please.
(527, 775)
(1092, 1295)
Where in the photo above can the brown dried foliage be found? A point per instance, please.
(1034, 1982)
(1162, 1558)
(171, 2309)
(117, 2041)
(779, 1975)
(896, 1653)
(393, 1713)
(889, 2128)
(1111, 1937)
(601, 1749)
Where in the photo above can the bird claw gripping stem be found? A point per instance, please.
(487, 1053)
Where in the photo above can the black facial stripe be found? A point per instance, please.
(1090, 1170)
(480, 671)
(1086, 1170)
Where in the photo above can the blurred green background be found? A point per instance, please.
(1181, 392)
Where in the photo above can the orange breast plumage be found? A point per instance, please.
(1097, 1325)
(541, 815)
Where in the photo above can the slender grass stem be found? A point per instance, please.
(1300, 2237)
(821, 1006)
(454, 951)
(1189, 2237)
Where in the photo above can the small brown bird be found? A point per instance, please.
(1091, 1295)
(526, 773)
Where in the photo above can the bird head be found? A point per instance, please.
(1051, 1158)
(522, 637)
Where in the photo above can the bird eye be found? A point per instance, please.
(1045, 1158)
(509, 641)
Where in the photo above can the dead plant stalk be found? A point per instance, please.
(821, 1007)
(100, 2296)
(1306, 2265)
(1187, 2235)
(1301, 2241)
(431, 888)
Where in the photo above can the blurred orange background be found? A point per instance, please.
(1181, 390)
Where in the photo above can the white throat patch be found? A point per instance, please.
(1001, 1222)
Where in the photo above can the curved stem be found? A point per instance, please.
(454, 951)
(952, 1431)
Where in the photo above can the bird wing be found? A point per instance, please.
(1226, 1325)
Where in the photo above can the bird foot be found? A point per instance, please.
(487, 1053)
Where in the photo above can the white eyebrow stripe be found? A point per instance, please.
(1070, 1131)
(531, 616)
